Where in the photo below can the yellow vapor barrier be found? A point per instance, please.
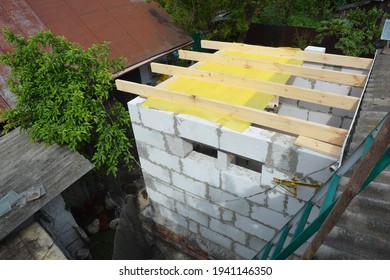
(220, 92)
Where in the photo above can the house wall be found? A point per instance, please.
(231, 206)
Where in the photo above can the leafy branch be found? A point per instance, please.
(63, 96)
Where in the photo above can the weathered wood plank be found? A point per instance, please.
(24, 164)
(339, 60)
(291, 125)
(293, 92)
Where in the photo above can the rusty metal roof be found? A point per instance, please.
(140, 31)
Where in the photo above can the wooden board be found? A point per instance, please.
(293, 92)
(319, 146)
(291, 125)
(331, 59)
(343, 78)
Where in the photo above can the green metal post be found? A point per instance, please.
(329, 198)
(302, 221)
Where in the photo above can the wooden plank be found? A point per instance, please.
(291, 125)
(331, 59)
(318, 146)
(293, 92)
(350, 79)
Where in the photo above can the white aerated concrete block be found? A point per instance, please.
(234, 203)
(354, 70)
(240, 181)
(227, 215)
(204, 206)
(161, 199)
(192, 214)
(188, 184)
(302, 82)
(252, 143)
(332, 87)
(160, 157)
(292, 111)
(294, 205)
(276, 200)
(314, 165)
(343, 113)
(224, 160)
(244, 251)
(323, 118)
(293, 102)
(314, 107)
(173, 216)
(269, 217)
(356, 92)
(315, 49)
(216, 238)
(149, 136)
(194, 227)
(133, 106)
(169, 191)
(155, 171)
(252, 227)
(268, 175)
(197, 129)
(346, 123)
(177, 146)
(227, 230)
(256, 243)
(202, 168)
(158, 120)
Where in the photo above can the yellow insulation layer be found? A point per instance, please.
(220, 92)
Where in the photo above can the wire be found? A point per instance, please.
(319, 170)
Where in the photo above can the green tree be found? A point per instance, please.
(201, 16)
(357, 34)
(63, 96)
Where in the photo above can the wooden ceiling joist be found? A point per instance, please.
(292, 92)
(324, 133)
(344, 78)
(318, 146)
(330, 59)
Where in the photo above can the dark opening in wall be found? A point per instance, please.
(206, 150)
(248, 163)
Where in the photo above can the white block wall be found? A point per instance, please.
(235, 209)
(319, 113)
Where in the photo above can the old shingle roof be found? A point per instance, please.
(138, 30)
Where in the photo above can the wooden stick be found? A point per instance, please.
(332, 59)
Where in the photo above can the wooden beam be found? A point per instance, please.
(291, 125)
(331, 59)
(350, 79)
(293, 92)
(318, 146)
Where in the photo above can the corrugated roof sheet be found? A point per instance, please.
(24, 164)
(136, 29)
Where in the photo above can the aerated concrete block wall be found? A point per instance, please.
(232, 207)
(316, 112)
